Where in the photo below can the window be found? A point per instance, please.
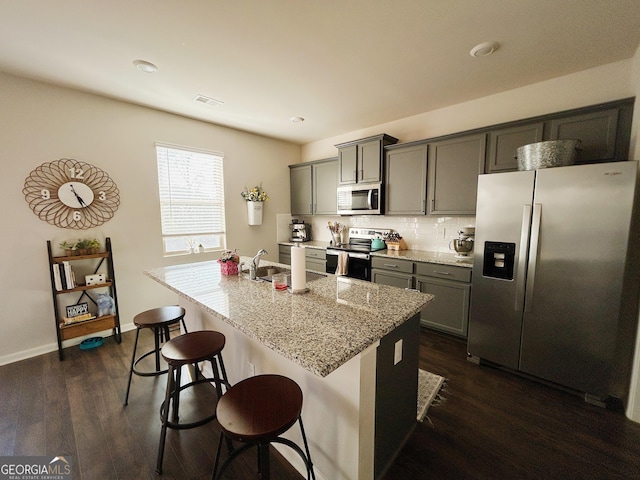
(191, 199)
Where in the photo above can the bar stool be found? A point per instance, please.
(189, 349)
(256, 411)
(159, 320)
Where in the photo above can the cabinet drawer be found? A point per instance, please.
(393, 279)
(285, 249)
(397, 265)
(459, 274)
(315, 253)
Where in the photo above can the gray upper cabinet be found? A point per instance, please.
(406, 179)
(504, 142)
(454, 166)
(301, 189)
(361, 161)
(325, 183)
(596, 132)
(313, 187)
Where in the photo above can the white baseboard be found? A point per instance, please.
(52, 347)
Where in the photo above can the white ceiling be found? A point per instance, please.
(343, 65)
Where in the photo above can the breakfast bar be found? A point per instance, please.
(351, 345)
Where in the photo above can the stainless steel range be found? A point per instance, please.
(358, 251)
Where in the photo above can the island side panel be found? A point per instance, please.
(396, 392)
(338, 410)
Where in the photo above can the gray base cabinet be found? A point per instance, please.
(451, 285)
(284, 254)
(316, 259)
(449, 311)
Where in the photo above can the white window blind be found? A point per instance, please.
(191, 185)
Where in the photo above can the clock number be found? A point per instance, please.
(76, 173)
(102, 195)
(45, 194)
(77, 216)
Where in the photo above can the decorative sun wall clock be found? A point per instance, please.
(72, 194)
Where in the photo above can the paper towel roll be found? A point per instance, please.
(298, 269)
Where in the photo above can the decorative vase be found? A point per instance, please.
(228, 268)
(254, 211)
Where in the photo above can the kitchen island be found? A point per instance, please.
(352, 346)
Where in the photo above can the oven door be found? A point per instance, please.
(358, 266)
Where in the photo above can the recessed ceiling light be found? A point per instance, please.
(484, 49)
(207, 100)
(297, 119)
(145, 66)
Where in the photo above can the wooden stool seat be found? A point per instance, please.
(256, 411)
(159, 320)
(190, 349)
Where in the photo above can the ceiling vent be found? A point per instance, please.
(208, 100)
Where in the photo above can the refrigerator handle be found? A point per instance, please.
(522, 257)
(533, 255)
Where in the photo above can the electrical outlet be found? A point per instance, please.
(397, 353)
(252, 369)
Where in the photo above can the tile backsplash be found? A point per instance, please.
(420, 233)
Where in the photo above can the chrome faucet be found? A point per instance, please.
(253, 267)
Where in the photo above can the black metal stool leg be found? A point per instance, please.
(164, 410)
(133, 359)
(264, 468)
(176, 394)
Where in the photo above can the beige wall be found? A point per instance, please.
(41, 123)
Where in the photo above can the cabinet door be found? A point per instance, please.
(596, 132)
(325, 183)
(406, 181)
(449, 310)
(369, 162)
(348, 164)
(284, 254)
(503, 145)
(454, 166)
(300, 188)
(394, 279)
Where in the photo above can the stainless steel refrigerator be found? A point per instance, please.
(555, 283)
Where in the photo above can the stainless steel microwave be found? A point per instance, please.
(360, 199)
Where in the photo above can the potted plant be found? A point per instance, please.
(83, 246)
(94, 245)
(68, 248)
(229, 262)
(255, 197)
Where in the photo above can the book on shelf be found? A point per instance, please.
(69, 276)
(57, 279)
(78, 318)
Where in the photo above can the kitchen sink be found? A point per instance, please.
(265, 273)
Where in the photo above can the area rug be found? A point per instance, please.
(429, 385)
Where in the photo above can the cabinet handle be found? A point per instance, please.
(442, 273)
(390, 265)
(361, 174)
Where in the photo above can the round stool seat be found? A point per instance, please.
(159, 316)
(193, 347)
(260, 407)
(159, 320)
(255, 412)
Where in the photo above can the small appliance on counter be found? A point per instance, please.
(300, 231)
(463, 245)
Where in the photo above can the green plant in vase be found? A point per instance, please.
(68, 248)
(94, 245)
(83, 246)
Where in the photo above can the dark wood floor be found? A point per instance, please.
(492, 424)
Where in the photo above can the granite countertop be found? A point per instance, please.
(317, 244)
(320, 330)
(425, 256)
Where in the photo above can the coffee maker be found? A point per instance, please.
(300, 231)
